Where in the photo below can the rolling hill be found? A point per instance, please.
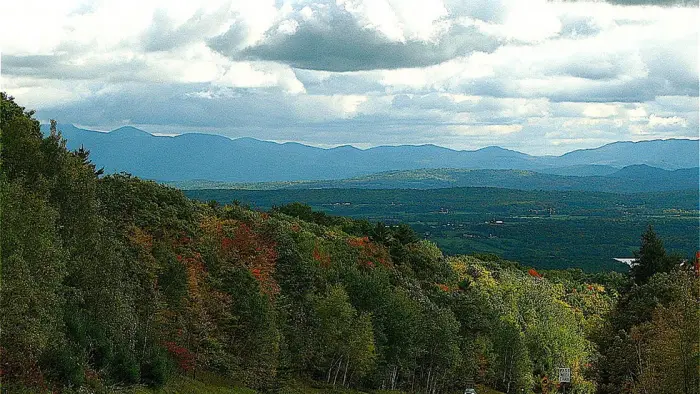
(631, 179)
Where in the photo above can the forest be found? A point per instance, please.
(115, 284)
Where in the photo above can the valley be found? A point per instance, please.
(544, 229)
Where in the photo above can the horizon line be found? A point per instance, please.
(331, 147)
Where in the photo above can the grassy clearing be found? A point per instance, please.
(205, 384)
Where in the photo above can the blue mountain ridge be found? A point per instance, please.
(193, 156)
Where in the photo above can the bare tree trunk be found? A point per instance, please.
(413, 379)
(335, 378)
(427, 384)
(509, 371)
(345, 374)
(638, 348)
(330, 370)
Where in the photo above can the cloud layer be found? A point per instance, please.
(538, 76)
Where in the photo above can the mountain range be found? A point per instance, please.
(192, 156)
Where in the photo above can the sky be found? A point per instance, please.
(540, 77)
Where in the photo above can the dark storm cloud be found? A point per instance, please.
(338, 43)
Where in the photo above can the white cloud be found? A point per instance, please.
(599, 110)
(464, 130)
(671, 121)
(535, 75)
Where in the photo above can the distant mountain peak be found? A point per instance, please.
(202, 137)
(346, 147)
(130, 131)
(494, 148)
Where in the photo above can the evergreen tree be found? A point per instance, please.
(651, 257)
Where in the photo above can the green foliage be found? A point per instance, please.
(650, 341)
(346, 340)
(33, 269)
(651, 258)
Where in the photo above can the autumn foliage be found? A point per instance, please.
(533, 273)
(370, 254)
(240, 244)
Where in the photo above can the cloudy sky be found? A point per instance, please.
(537, 76)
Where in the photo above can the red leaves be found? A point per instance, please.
(358, 242)
(534, 273)
(226, 243)
(241, 244)
(257, 274)
(183, 357)
(323, 258)
(371, 254)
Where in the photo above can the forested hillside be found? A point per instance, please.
(112, 283)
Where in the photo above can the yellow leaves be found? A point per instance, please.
(470, 268)
(140, 238)
(213, 225)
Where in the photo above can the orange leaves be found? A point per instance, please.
(371, 254)
(239, 243)
(443, 287)
(358, 242)
(534, 273)
(323, 258)
(195, 273)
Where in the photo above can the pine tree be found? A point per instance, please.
(651, 257)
